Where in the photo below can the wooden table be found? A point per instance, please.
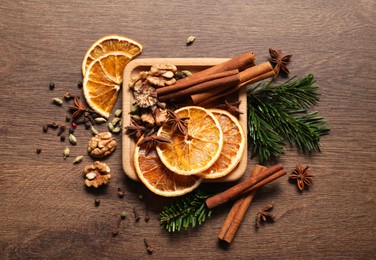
(45, 210)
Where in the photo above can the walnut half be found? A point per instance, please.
(97, 174)
(101, 145)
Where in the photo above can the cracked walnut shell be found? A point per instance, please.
(101, 145)
(97, 174)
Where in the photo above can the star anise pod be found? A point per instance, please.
(279, 61)
(151, 142)
(79, 108)
(264, 214)
(233, 108)
(302, 176)
(177, 123)
(135, 129)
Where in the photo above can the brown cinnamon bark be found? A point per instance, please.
(225, 82)
(203, 99)
(238, 211)
(240, 62)
(238, 189)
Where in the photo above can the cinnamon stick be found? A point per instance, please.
(238, 189)
(179, 84)
(225, 82)
(208, 97)
(240, 62)
(237, 212)
(266, 181)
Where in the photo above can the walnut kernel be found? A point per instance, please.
(97, 174)
(101, 145)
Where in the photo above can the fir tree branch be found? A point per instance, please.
(278, 113)
(186, 211)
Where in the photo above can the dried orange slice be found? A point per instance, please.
(234, 143)
(157, 178)
(108, 44)
(195, 151)
(103, 80)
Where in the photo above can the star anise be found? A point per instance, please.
(79, 108)
(233, 108)
(279, 61)
(135, 129)
(302, 176)
(151, 142)
(177, 123)
(264, 214)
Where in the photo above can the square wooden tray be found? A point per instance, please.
(193, 65)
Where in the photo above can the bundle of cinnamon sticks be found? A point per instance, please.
(244, 192)
(223, 79)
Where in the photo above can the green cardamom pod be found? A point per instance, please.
(72, 139)
(115, 121)
(78, 159)
(191, 39)
(187, 72)
(134, 109)
(66, 152)
(118, 112)
(94, 131)
(110, 127)
(100, 120)
(57, 101)
(116, 129)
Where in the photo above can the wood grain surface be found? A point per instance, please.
(46, 211)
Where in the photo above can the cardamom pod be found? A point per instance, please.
(110, 127)
(118, 112)
(100, 120)
(191, 39)
(116, 129)
(187, 72)
(66, 152)
(115, 121)
(94, 131)
(72, 139)
(134, 109)
(57, 101)
(78, 159)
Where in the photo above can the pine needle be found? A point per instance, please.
(186, 211)
(278, 114)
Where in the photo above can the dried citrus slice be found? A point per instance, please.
(108, 44)
(103, 80)
(234, 143)
(195, 151)
(157, 178)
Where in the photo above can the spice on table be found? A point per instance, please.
(237, 212)
(279, 61)
(78, 159)
(252, 183)
(147, 217)
(136, 215)
(149, 248)
(72, 139)
(190, 39)
(302, 176)
(68, 96)
(123, 215)
(51, 85)
(79, 108)
(97, 202)
(118, 112)
(264, 215)
(233, 108)
(61, 130)
(66, 152)
(79, 84)
(120, 193)
(45, 128)
(38, 150)
(100, 120)
(57, 101)
(62, 138)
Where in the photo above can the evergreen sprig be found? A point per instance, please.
(186, 211)
(278, 113)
